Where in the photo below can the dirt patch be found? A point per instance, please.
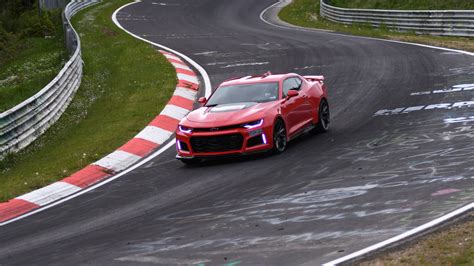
(108, 32)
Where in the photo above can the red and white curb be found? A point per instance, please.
(143, 144)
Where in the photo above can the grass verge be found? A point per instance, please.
(450, 247)
(125, 85)
(36, 62)
(406, 5)
(453, 246)
(305, 13)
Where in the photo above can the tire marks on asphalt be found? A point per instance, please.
(143, 144)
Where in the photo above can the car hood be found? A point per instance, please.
(228, 114)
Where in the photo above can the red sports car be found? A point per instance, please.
(253, 114)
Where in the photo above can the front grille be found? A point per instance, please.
(211, 129)
(220, 143)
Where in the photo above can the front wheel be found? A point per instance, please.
(323, 118)
(279, 137)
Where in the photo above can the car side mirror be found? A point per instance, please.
(292, 93)
(202, 100)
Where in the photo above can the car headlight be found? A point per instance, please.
(184, 129)
(253, 124)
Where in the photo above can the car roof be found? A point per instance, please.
(256, 79)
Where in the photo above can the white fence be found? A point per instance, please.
(434, 22)
(25, 122)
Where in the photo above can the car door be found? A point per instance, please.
(307, 107)
(294, 109)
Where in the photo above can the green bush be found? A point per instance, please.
(19, 20)
(33, 25)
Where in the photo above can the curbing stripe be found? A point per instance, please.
(123, 159)
(14, 208)
(154, 134)
(87, 176)
(118, 160)
(170, 56)
(139, 146)
(188, 85)
(185, 72)
(165, 122)
(165, 52)
(174, 111)
(181, 102)
(50, 193)
(185, 93)
(178, 65)
(188, 78)
(171, 60)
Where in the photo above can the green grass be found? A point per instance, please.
(36, 62)
(125, 85)
(405, 4)
(305, 13)
(452, 246)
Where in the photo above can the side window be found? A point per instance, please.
(298, 82)
(289, 84)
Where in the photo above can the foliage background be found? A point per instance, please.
(20, 19)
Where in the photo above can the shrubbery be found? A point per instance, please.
(20, 19)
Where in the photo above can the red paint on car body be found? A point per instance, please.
(297, 113)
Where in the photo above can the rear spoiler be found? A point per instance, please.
(319, 78)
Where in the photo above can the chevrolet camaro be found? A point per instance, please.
(253, 114)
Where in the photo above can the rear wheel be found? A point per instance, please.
(279, 137)
(323, 118)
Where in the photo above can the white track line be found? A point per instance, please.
(171, 143)
(144, 161)
(415, 230)
(202, 71)
(402, 236)
(352, 36)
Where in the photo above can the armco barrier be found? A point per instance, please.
(434, 22)
(25, 122)
(131, 154)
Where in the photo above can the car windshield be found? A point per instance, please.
(256, 92)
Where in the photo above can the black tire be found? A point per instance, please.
(324, 118)
(280, 140)
(191, 161)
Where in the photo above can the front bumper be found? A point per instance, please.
(223, 143)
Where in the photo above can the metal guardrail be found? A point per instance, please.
(25, 122)
(434, 22)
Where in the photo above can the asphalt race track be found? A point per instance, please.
(376, 174)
